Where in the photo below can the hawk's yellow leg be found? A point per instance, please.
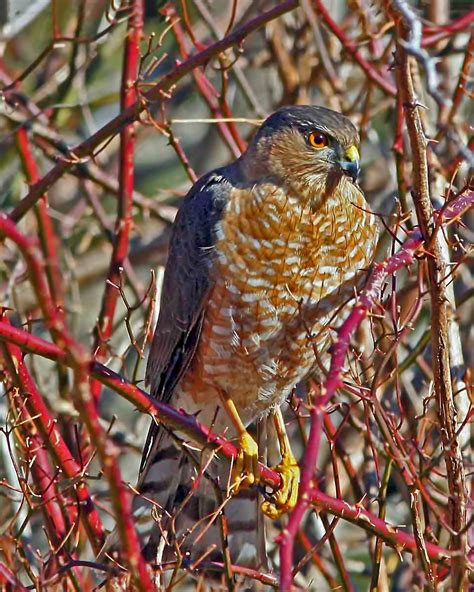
(284, 498)
(245, 471)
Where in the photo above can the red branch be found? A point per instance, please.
(358, 515)
(422, 453)
(45, 225)
(68, 352)
(443, 31)
(205, 88)
(78, 359)
(178, 419)
(123, 224)
(8, 578)
(53, 439)
(34, 448)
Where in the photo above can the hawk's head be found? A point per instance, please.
(305, 146)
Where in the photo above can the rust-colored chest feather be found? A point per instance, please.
(284, 265)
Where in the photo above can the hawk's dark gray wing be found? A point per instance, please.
(187, 282)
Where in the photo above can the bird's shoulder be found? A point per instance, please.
(210, 194)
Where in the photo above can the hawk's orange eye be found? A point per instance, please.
(318, 140)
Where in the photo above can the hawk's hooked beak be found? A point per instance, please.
(350, 164)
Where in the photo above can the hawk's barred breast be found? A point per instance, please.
(284, 265)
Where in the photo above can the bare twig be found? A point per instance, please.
(364, 303)
(177, 419)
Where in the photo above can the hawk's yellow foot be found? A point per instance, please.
(245, 471)
(284, 498)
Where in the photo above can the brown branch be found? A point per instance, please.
(365, 302)
(176, 419)
(381, 411)
(46, 230)
(352, 49)
(56, 444)
(438, 271)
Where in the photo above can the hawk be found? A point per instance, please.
(264, 253)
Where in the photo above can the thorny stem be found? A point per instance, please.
(8, 578)
(58, 515)
(398, 440)
(79, 362)
(438, 270)
(378, 550)
(58, 448)
(206, 90)
(317, 559)
(181, 421)
(47, 235)
(45, 226)
(352, 48)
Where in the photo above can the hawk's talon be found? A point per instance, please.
(284, 498)
(245, 471)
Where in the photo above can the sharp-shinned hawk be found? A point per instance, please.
(264, 253)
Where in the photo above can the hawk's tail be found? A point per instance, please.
(184, 515)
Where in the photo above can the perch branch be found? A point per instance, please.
(364, 304)
(79, 362)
